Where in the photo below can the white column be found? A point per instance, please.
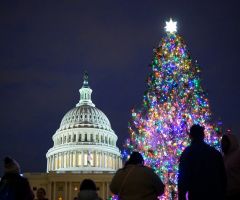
(72, 153)
(50, 164)
(100, 156)
(54, 162)
(47, 164)
(102, 160)
(57, 160)
(77, 158)
(99, 164)
(82, 158)
(106, 160)
(114, 162)
(62, 160)
(110, 160)
(68, 159)
(120, 162)
(94, 158)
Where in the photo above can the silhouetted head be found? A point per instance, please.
(135, 159)
(41, 193)
(88, 184)
(197, 133)
(229, 143)
(11, 165)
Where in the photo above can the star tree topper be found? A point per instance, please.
(171, 26)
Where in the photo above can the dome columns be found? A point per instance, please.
(66, 161)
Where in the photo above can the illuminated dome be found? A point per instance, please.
(85, 116)
(85, 140)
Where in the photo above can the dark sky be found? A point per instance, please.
(45, 46)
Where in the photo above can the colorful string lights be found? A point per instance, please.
(173, 102)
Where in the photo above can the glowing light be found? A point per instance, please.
(171, 26)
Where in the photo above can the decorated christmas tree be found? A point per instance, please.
(173, 102)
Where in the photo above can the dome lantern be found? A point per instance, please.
(85, 93)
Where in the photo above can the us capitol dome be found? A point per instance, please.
(84, 141)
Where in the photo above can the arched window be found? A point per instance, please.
(74, 138)
(97, 137)
(91, 139)
(106, 140)
(69, 138)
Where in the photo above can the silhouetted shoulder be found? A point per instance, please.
(186, 151)
(148, 169)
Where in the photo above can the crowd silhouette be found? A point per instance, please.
(204, 174)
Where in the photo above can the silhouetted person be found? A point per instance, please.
(88, 190)
(41, 193)
(201, 170)
(12, 185)
(136, 181)
(231, 150)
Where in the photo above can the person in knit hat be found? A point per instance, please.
(11, 166)
(136, 181)
(12, 185)
(88, 190)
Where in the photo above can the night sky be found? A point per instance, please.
(45, 46)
